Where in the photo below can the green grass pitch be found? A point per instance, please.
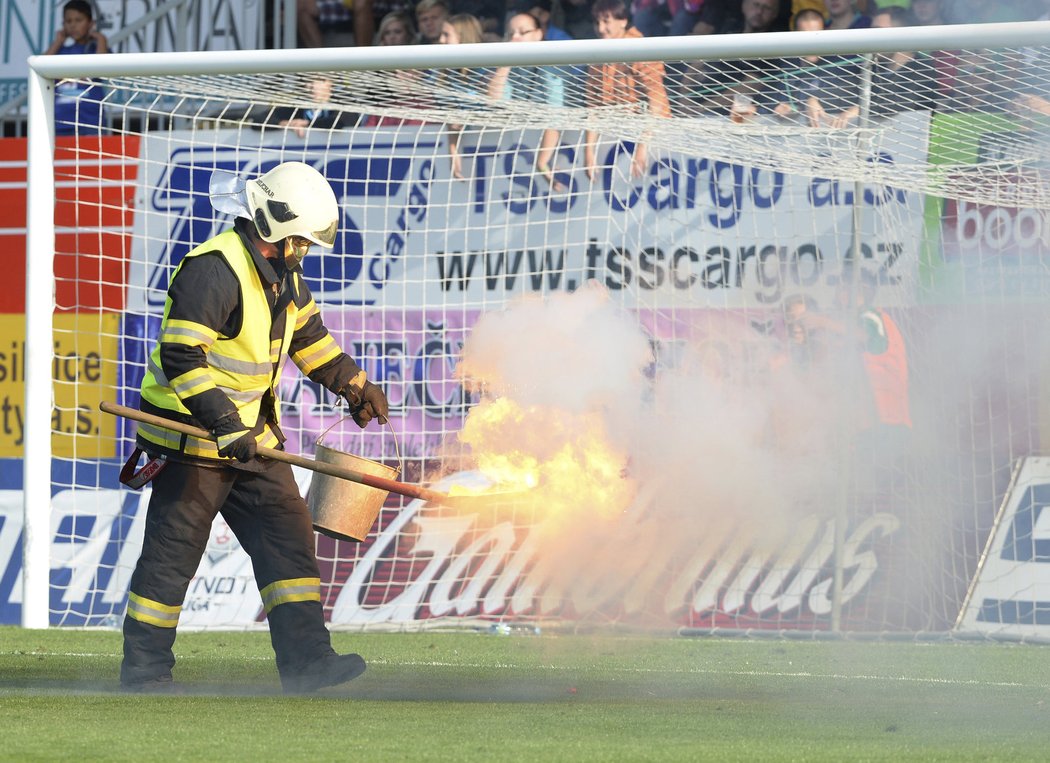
(474, 696)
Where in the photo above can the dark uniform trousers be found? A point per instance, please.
(272, 523)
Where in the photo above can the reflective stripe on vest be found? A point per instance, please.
(242, 366)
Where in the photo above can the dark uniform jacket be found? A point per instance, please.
(205, 301)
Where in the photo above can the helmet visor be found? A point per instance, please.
(326, 236)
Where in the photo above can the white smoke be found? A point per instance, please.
(569, 352)
(695, 440)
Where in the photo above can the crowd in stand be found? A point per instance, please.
(823, 92)
(819, 91)
(357, 22)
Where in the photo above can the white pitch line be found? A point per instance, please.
(605, 668)
(702, 671)
(46, 653)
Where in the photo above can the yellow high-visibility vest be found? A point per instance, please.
(244, 367)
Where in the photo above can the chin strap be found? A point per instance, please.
(294, 252)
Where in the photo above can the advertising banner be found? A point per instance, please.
(422, 562)
(94, 206)
(419, 257)
(414, 354)
(1010, 596)
(985, 251)
(27, 28)
(693, 232)
(84, 370)
(212, 25)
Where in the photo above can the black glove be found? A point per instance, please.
(366, 403)
(234, 439)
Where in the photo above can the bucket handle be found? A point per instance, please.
(393, 434)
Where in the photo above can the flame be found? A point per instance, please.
(562, 463)
(508, 477)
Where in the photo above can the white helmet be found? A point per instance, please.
(294, 199)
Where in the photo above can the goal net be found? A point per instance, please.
(727, 333)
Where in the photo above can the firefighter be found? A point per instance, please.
(235, 306)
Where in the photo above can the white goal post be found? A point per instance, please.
(700, 457)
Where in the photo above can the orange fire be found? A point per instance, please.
(561, 463)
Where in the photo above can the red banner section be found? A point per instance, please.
(94, 206)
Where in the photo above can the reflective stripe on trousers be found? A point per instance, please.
(272, 523)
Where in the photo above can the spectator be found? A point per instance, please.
(731, 87)
(1034, 98)
(622, 84)
(397, 28)
(844, 382)
(808, 20)
(522, 83)
(881, 409)
(884, 455)
(798, 6)
(430, 18)
(460, 29)
(656, 18)
(843, 14)
(689, 17)
(804, 384)
(864, 7)
(383, 8)
(653, 17)
(789, 94)
(78, 103)
(833, 92)
(318, 115)
(489, 13)
(315, 18)
(946, 62)
(903, 81)
(541, 11)
(982, 11)
(544, 84)
(886, 367)
(753, 16)
(578, 19)
(928, 12)
(883, 471)
(573, 75)
(799, 349)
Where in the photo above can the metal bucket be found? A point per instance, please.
(342, 509)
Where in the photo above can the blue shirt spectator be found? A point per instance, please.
(78, 102)
(541, 11)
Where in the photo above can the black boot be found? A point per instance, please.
(330, 670)
(159, 685)
(148, 658)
